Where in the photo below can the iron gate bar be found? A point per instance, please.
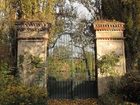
(71, 89)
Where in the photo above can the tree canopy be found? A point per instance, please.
(127, 11)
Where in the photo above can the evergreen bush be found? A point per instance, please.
(130, 86)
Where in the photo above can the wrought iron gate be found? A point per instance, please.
(72, 89)
(71, 70)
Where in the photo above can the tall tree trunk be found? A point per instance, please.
(86, 63)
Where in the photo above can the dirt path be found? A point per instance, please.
(73, 102)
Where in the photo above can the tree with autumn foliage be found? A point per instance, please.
(24, 10)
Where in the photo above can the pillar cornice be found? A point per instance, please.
(32, 25)
(106, 25)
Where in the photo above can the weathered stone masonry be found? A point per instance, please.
(109, 38)
(32, 51)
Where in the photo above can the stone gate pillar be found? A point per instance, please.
(109, 38)
(32, 51)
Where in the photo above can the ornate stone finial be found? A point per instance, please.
(106, 25)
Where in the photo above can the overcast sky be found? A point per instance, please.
(80, 10)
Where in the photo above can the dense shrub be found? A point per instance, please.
(113, 99)
(110, 99)
(22, 95)
(114, 84)
(130, 86)
(12, 92)
(123, 91)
